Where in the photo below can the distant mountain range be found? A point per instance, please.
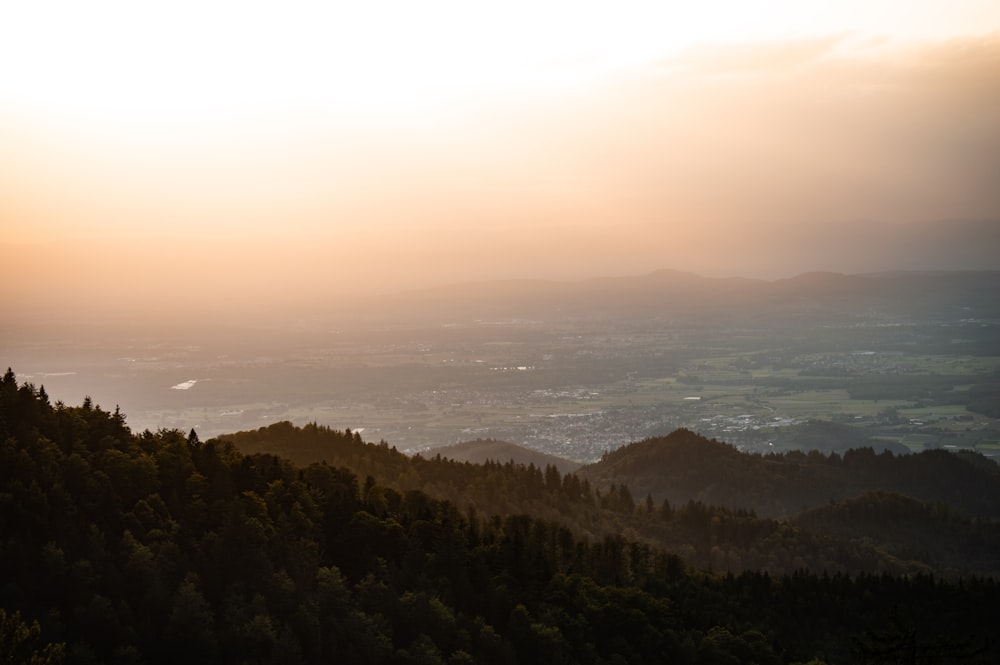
(669, 294)
(865, 246)
(926, 267)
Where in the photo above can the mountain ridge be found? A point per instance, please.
(685, 466)
(675, 293)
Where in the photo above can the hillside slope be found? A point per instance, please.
(686, 466)
(481, 451)
(160, 548)
(909, 529)
(705, 532)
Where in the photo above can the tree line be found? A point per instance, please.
(700, 498)
(156, 547)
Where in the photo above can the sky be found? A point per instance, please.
(167, 153)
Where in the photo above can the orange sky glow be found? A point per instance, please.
(249, 152)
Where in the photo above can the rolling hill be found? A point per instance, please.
(481, 451)
(686, 466)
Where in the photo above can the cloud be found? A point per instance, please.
(896, 135)
(715, 59)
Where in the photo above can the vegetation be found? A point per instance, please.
(909, 529)
(701, 499)
(161, 548)
(685, 465)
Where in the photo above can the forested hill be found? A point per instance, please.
(120, 548)
(481, 451)
(684, 466)
(903, 525)
(679, 468)
(721, 536)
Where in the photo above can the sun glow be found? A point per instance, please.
(164, 59)
(448, 135)
(199, 58)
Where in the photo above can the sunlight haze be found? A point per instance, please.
(250, 152)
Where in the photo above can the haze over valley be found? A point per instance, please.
(903, 360)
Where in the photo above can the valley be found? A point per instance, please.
(574, 372)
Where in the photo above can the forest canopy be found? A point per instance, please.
(156, 547)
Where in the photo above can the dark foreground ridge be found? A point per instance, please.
(161, 548)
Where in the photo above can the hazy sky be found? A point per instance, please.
(181, 150)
